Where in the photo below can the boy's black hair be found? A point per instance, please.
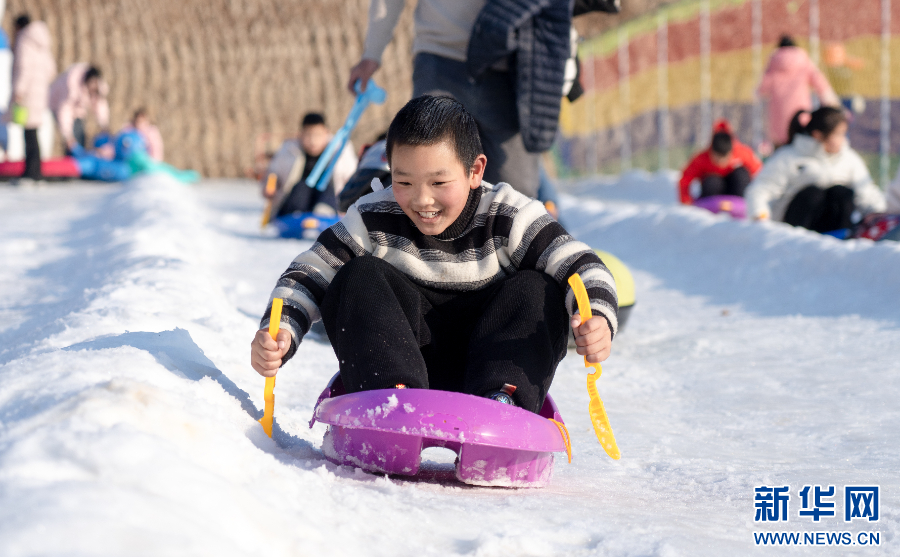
(312, 119)
(91, 73)
(429, 120)
(721, 143)
(22, 21)
(786, 40)
(825, 119)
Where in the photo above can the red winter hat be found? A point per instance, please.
(723, 125)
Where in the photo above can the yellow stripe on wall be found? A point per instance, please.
(732, 82)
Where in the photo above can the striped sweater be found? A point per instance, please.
(499, 232)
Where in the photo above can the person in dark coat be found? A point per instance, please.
(513, 93)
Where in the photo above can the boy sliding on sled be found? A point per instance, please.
(443, 281)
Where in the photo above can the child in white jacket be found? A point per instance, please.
(817, 181)
(893, 195)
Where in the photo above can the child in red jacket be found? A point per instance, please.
(726, 168)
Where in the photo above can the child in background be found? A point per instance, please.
(140, 122)
(726, 168)
(33, 71)
(73, 94)
(294, 162)
(817, 182)
(893, 195)
(442, 280)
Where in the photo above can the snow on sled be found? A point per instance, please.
(302, 225)
(61, 168)
(731, 204)
(385, 431)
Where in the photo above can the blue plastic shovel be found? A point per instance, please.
(323, 169)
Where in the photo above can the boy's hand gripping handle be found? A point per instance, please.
(596, 410)
(269, 394)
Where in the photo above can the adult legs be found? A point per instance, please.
(32, 155)
(492, 102)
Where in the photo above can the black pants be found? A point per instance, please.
(303, 198)
(385, 330)
(821, 210)
(732, 184)
(32, 155)
(79, 134)
(491, 100)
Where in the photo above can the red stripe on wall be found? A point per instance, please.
(731, 29)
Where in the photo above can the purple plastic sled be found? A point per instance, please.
(385, 431)
(731, 204)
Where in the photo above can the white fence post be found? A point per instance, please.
(705, 77)
(662, 82)
(756, 31)
(885, 92)
(591, 87)
(625, 98)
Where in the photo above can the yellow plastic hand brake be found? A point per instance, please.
(271, 183)
(269, 394)
(596, 410)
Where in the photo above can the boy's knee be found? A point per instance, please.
(365, 266)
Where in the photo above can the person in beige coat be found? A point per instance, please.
(33, 71)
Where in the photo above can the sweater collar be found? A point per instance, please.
(462, 222)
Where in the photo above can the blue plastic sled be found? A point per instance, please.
(302, 225)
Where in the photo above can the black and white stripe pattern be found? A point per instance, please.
(507, 232)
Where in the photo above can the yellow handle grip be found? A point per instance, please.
(599, 419)
(269, 393)
(584, 310)
(271, 182)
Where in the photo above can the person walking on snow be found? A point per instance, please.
(786, 84)
(467, 49)
(33, 70)
(725, 168)
(76, 92)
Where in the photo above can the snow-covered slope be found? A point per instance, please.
(756, 354)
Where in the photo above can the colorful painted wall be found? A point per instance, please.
(655, 85)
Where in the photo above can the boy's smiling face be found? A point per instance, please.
(431, 184)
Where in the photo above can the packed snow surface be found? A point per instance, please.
(756, 355)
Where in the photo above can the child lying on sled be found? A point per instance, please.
(443, 281)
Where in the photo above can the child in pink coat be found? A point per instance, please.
(786, 83)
